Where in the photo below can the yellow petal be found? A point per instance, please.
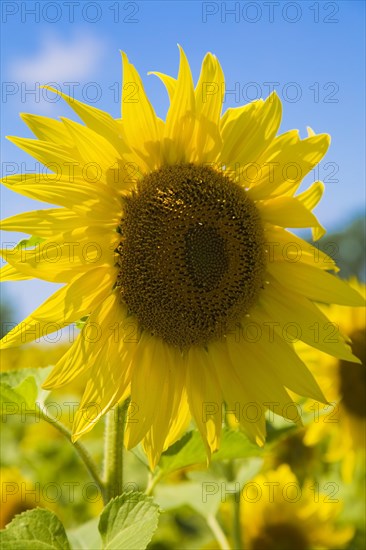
(296, 318)
(286, 212)
(180, 119)
(63, 256)
(247, 136)
(285, 163)
(204, 398)
(314, 283)
(310, 198)
(43, 223)
(151, 357)
(209, 92)
(65, 306)
(56, 157)
(88, 199)
(48, 129)
(254, 367)
(97, 120)
(169, 82)
(139, 118)
(91, 146)
(83, 353)
(285, 363)
(109, 384)
(10, 273)
(172, 414)
(239, 397)
(285, 246)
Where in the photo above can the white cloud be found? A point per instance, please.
(60, 59)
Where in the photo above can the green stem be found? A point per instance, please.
(218, 532)
(236, 522)
(79, 447)
(113, 451)
(235, 499)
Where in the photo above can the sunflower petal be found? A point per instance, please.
(245, 137)
(139, 119)
(204, 398)
(180, 119)
(287, 212)
(101, 122)
(315, 284)
(65, 306)
(150, 354)
(286, 162)
(42, 223)
(285, 246)
(238, 396)
(209, 92)
(10, 273)
(48, 129)
(169, 82)
(294, 316)
(172, 415)
(310, 198)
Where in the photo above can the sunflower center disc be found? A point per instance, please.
(353, 377)
(192, 254)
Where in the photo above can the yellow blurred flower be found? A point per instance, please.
(278, 514)
(18, 494)
(344, 385)
(31, 356)
(305, 460)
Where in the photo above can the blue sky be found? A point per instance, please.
(312, 53)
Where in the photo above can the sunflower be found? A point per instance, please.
(16, 495)
(172, 245)
(277, 514)
(344, 384)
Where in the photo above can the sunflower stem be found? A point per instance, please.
(218, 532)
(79, 447)
(113, 451)
(152, 482)
(235, 499)
(236, 521)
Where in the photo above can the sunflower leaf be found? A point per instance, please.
(128, 521)
(85, 536)
(204, 497)
(36, 529)
(190, 450)
(19, 390)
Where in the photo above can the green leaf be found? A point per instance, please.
(30, 242)
(36, 529)
(190, 450)
(19, 390)
(85, 536)
(128, 521)
(204, 497)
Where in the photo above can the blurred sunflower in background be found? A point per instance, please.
(16, 496)
(164, 241)
(344, 385)
(279, 515)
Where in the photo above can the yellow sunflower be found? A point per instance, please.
(344, 385)
(171, 241)
(17, 494)
(277, 514)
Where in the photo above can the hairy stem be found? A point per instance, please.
(79, 447)
(113, 451)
